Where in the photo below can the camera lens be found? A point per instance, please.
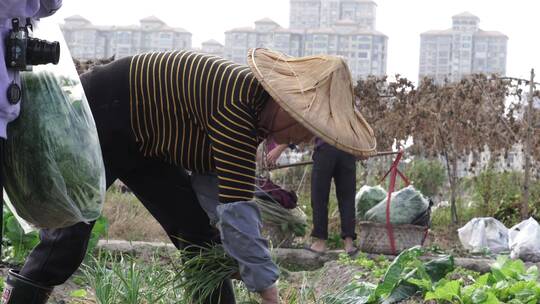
(41, 51)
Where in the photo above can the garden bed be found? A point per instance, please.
(306, 277)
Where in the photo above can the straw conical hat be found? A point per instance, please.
(317, 91)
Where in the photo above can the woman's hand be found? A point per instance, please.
(270, 295)
(274, 154)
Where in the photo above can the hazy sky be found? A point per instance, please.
(401, 20)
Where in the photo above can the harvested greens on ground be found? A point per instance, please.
(366, 198)
(54, 173)
(406, 205)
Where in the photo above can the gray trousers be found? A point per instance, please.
(239, 225)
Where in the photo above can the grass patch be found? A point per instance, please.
(123, 279)
(202, 275)
(126, 216)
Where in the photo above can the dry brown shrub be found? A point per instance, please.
(129, 220)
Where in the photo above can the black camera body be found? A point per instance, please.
(23, 51)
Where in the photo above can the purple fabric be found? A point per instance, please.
(10, 9)
(319, 143)
(268, 190)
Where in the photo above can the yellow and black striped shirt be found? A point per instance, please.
(199, 112)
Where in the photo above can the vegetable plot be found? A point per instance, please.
(405, 276)
(508, 282)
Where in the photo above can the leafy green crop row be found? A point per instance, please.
(404, 278)
(508, 282)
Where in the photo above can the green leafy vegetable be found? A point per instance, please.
(406, 276)
(368, 197)
(18, 243)
(54, 173)
(79, 293)
(508, 282)
(406, 205)
(446, 290)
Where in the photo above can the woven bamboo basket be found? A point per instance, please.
(373, 237)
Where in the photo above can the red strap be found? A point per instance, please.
(426, 233)
(384, 177)
(404, 178)
(389, 227)
(393, 175)
(395, 166)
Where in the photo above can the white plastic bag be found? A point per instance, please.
(26, 227)
(53, 169)
(485, 233)
(524, 241)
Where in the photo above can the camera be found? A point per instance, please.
(23, 51)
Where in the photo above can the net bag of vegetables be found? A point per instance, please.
(53, 168)
(406, 205)
(366, 198)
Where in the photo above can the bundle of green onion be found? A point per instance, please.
(203, 271)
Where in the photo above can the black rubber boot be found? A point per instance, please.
(20, 290)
